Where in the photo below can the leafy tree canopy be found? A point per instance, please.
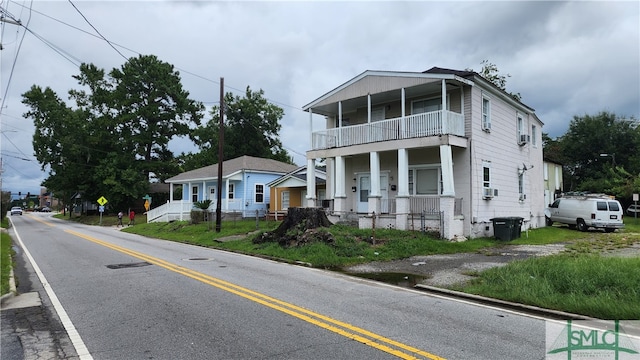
(251, 127)
(600, 153)
(491, 73)
(114, 137)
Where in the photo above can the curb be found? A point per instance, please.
(534, 310)
(12, 288)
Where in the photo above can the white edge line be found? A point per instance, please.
(76, 340)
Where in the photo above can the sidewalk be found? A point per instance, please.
(30, 330)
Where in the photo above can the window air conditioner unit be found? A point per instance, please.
(487, 193)
(486, 127)
(523, 197)
(524, 139)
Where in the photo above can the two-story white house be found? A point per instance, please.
(445, 145)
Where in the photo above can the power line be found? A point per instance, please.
(94, 28)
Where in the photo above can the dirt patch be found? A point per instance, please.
(452, 269)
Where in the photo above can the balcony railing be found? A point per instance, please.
(413, 126)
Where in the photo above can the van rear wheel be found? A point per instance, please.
(582, 226)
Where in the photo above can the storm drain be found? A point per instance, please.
(199, 259)
(128, 265)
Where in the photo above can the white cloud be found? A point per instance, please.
(565, 58)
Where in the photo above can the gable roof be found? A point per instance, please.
(299, 177)
(368, 80)
(230, 167)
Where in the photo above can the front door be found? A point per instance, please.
(364, 188)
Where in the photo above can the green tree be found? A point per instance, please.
(251, 127)
(115, 137)
(599, 148)
(491, 73)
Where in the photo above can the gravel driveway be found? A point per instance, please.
(451, 269)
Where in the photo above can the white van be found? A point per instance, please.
(585, 211)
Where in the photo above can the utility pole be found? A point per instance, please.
(220, 157)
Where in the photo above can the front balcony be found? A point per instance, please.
(441, 122)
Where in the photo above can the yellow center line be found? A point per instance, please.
(325, 322)
(37, 218)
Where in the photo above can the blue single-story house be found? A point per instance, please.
(244, 188)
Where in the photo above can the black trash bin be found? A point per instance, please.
(507, 228)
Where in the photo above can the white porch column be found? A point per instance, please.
(205, 195)
(444, 120)
(368, 108)
(170, 192)
(225, 201)
(403, 113)
(190, 192)
(374, 192)
(339, 140)
(403, 204)
(311, 183)
(446, 164)
(340, 196)
(311, 129)
(444, 94)
(403, 172)
(340, 180)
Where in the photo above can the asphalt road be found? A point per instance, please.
(130, 297)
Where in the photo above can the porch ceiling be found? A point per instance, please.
(350, 105)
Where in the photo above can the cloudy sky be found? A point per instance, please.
(564, 58)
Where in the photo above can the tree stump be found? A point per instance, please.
(299, 228)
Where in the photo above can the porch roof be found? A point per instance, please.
(392, 80)
(234, 166)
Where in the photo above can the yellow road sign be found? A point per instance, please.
(146, 205)
(102, 200)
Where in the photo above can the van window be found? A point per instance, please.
(613, 206)
(555, 204)
(602, 206)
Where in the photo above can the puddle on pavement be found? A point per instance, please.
(399, 279)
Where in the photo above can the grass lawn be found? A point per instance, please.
(5, 258)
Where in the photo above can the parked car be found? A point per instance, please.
(585, 211)
(16, 210)
(43, 209)
(633, 210)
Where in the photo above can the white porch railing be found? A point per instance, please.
(181, 210)
(176, 210)
(413, 126)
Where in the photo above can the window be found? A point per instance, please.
(486, 114)
(428, 105)
(231, 191)
(284, 198)
(259, 194)
(425, 181)
(534, 135)
(602, 206)
(194, 194)
(521, 186)
(486, 174)
(545, 171)
(520, 125)
(613, 206)
(377, 114)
